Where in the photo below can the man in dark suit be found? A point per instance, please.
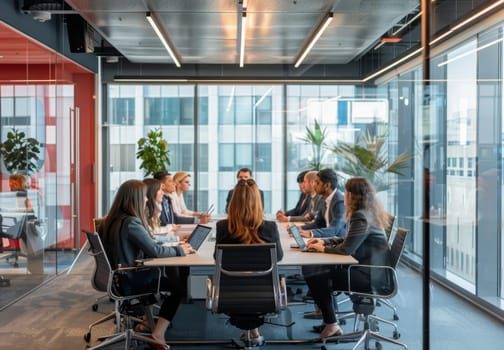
(243, 174)
(329, 221)
(302, 206)
(168, 216)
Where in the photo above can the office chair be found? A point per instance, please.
(124, 305)
(103, 287)
(384, 285)
(388, 232)
(246, 287)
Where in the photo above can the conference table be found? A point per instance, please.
(202, 264)
(292, 256)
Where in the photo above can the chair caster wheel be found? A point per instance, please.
(396, 335)
(341, 322)
(87, 337)
(396, 318)
(323, 347)
(94, 307)
(378, 345)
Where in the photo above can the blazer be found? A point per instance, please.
(336, 223)
(315, 204)
(301, 207)
(129, 241)
(366, 243)
(268, 232)
(230, 194)
(168, 216)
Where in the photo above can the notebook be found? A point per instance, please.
(198, 236)
(300, 242)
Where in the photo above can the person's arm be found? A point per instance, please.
(139, 236)
(276, 236)
(357, 233)
(228, 199)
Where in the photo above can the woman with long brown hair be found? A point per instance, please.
(125, 236)
(365, 240)
(245, 224)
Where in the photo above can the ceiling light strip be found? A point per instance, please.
(318, 33)
(470, 19)
(242, 38)
(156, 25)
(418, 51)
(469, 52)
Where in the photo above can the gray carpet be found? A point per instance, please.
(56, 315)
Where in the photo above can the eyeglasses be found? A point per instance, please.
(249, 182)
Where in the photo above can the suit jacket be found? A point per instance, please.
(301, 207)
(336, 224)
(230, 194)
(268, 232)
(366, 243)
(128, 240)
(168, 216)
(311, 212)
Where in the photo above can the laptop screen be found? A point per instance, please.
(198, 236)
(297, 236)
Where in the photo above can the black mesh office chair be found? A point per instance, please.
(246, 286)
(384, 286)
(124, 305)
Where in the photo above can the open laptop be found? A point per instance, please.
(300, 242)
(198, 236)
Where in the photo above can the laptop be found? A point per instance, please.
(300, 242)
(198, 236)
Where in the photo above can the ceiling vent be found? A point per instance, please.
(42, 10)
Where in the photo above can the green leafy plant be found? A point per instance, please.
(316, 138)
(153, 152)
(369, 158)
(20, 153)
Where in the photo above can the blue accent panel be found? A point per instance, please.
(342, 112)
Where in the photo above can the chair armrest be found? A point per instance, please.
(123, 271)
(383, 280)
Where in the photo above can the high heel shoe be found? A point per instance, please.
(158, 346)
(330, 330)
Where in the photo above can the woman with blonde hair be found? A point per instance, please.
(182, 183)
(365, 240)
(245, 224)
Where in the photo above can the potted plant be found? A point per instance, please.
(20, 153)
(316, 138)
(153, 152)
(368, 158)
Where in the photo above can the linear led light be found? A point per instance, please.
(469, 52)
(320, 29)
(242, 38)
(470, 19)
(458, 26)
(158, 28)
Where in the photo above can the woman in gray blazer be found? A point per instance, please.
(365, 241)
(126, 239)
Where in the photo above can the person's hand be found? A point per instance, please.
(280, 216)
(175, 228)
(204, 218)
(187, 248)
(316, 244)
(305, 233)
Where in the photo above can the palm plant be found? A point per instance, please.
(316, 138)
(153, 152)
(368, 158)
